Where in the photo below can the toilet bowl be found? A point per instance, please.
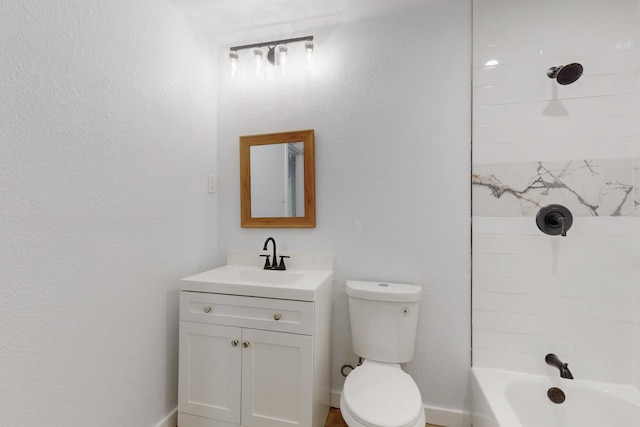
(381, 395)
(378, 393)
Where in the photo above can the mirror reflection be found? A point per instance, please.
(277, 180)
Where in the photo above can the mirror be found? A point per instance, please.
(277, 180)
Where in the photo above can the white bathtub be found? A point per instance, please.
(511, 399)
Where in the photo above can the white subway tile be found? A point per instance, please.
(488, 153)
(502, 13)
(607, 352)
(595, 370)
(483, 301)
(523, 323)
(539, 345)
(564, 48)
(621, 331)
(600, 246)
(537, 265)
(489, 340)
(505, 133)
(484, 36)
(578, 328)
(489, 95)
(492, 282)
(620, 62)
(616, 268)
(532, 70)
(589, 86)
(604, 226)
(587, 129)
(529, 31)
(528, 245)
(488, 263)
(489, 76)
(504, 54)
(626, 126)
(487, 320)
(550, 8)
(507, 225)
(574, 108)
(488, 115)
(510, 361)
(606, 20)
(620, 372)
(488, 244)
(557, 286)
(554, 306)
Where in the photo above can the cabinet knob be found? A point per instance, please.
(277, 316)
(234, 343)
(207, 309)
(245, 344)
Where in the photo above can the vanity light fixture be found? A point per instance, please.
(277, 49)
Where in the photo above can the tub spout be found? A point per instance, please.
(553, 360)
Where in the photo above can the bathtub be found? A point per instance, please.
(511, 399)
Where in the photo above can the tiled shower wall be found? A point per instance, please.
(535, 143)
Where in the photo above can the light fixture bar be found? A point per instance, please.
(271, 43)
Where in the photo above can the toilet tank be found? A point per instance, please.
(384, 319)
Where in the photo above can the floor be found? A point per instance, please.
(335, 419)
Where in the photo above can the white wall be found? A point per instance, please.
(107, 133)
(636, 301)
(636, 296)
(389, 101)
(535, 294)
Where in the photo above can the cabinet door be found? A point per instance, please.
(277, 379)
(209, 371)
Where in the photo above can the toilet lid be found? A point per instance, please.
(382, 395)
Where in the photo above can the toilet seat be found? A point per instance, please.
(381, 395)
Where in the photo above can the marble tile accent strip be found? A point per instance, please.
(602, 187)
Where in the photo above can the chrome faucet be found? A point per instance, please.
(553, 360)
(275, 265)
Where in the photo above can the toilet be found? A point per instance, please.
(378, 393)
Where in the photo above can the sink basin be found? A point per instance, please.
(294, 284)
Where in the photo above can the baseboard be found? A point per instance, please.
(446, 417)
(171, 420)
(433, 415)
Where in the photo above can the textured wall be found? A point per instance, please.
(389, 101)
(536, 143)
(107, 133)
(636, 254)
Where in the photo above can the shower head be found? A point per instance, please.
(565, 74)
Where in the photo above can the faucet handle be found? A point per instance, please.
(282, 266)
(267, 263)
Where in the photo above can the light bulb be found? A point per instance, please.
(282, 53)
(308, 46)
(257, 56)
(233, 56)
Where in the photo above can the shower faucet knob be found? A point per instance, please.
(554, 220)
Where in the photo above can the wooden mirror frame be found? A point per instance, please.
(309, 218)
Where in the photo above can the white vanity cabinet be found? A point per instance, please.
(253, 361)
